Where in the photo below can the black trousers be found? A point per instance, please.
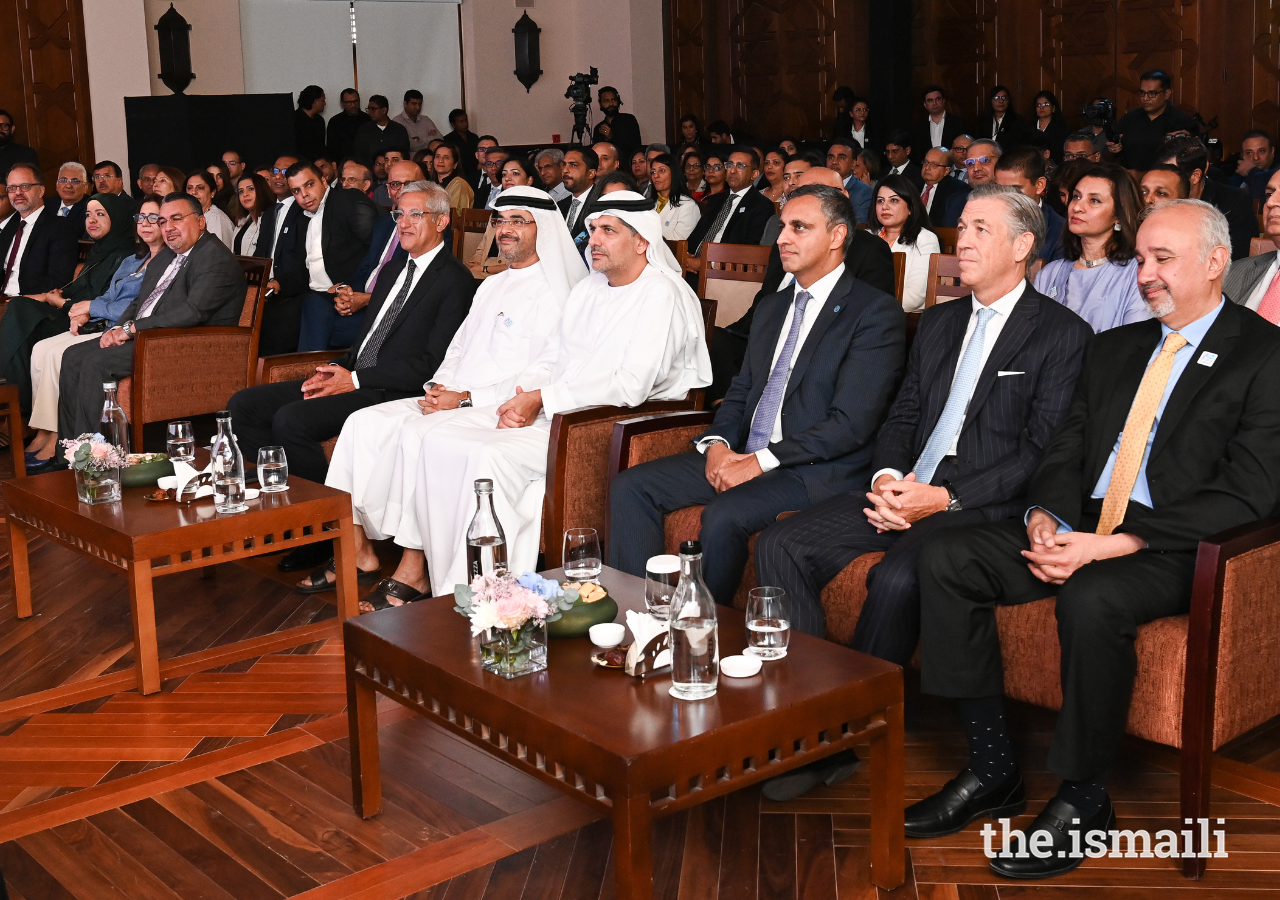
(85, 367)
(275, 414)
(281, 325)
(964, 573)
(803, 553)
(728, 350)
(639, 497)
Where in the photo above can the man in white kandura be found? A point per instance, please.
(632, 331)
(513, 316)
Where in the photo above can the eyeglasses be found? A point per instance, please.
(980, 159)
(6, 126)
(935, 165)
(516, 222)
(737, 165)
(21, 188)
(711, 168)
(395, 185)
(1043, 103)
(1151, 95)
(1071, 157)
(416, 215)
(1001, 97)
(104, 176)
(70, 181)
(152, 218)
(372, 108)
(280, 171)
(175, 220)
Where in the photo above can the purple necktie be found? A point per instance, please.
(386, 258)
(771, 398)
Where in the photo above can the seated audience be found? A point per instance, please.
(691, 136)
(1023, 168)
(38, 250)
(691, 164)
(609, 160)
(1110, 525)
(1049, 122)
(377, 135)
(1080, 145)
(33, 316)
(677, 210)
(382, 193)
(738, 215)
(273, 225)
(256, 199)
(328, 168)
(202, 186)
(897, 149)
(788, 146)
(866, 167)
(550, 166)
(194, 281)
(763, 456)
(720, 132)
(72, 195)
(1190, 155)
(357, 177)
(224, 197)
(981, 162)
(514, 317)
(713, 174)
(1162, 183)
(416, 308)
(1252, 282)
(494, 157)
(1001, 123)
(146, 178)
(88, 318)
(840, 159)
(943, 196)
(639, 169)
(904, 226)
(108, 179)
(516, 172)
(1097, 277)
(967, 440)
(1257, 164)
(445, 161)
(581, 167)
(770, 183)
(959, 157)
(169, 180)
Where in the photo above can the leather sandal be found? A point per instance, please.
(389, 589)
(320, 584)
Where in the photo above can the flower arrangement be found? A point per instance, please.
(97, 466)
(510, 614)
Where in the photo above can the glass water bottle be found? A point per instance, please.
(695, 648)
(227, 466)
(113, 425)
(486, 543)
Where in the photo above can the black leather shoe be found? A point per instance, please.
(1057, 859)
(308, 556)
(832, 770)
(955, 806)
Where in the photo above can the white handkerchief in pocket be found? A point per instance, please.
(1002, 374)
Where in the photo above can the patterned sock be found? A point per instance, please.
(1086, 796)
(990, 751)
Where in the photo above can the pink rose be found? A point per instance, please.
(511, 610)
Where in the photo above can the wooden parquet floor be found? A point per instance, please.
(233, 783)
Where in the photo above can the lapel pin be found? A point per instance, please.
(837, 309)
(1207, 358)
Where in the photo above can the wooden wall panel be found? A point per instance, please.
(45, 79)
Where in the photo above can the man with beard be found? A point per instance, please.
(1173, 435)
(618, 128)
(11, 152)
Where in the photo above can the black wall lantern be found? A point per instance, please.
(528, 60)
(175, 50)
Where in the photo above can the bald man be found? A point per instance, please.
(608, 158)
(866, 256)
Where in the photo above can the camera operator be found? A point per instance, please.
(618, 128)
(1143, 130)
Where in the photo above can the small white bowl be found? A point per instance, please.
(740, 666)
(607, 635)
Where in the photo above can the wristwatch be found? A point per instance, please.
(128, 329)
(956, 503)
(466, 399)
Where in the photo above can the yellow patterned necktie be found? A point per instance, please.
(1137, 428)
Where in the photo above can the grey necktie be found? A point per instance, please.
(368, 357)
(573, 212)
(716, 225)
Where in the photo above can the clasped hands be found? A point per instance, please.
(896, 504)
(726, 469)
(327, 381)
(1053, 557)
(79, 313)
(520, 410)
(347, 301)
(439, 398)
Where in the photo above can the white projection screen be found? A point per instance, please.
(401, 44)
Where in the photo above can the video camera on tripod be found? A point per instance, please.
(580, 93)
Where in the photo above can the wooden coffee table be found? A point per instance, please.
(146, 539)
(625, 745)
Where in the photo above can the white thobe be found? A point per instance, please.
(615, 347)
(513, 316)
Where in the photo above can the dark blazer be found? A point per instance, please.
(75, 217)
(745, 226)
(624, 133)
(1243, 276)
(578, 230)
(949, 198)
(370, 139)
(347, 226)
(266, 232)
(952, 127)
(1012, 128)
(382, 231)
(1215, 460)
(840, 385)
(208, 290)
(420, 335)
(1010, 418)
(1237, 206)
(1056, 134)
(49, 259)
(481, 193)
(1054, 225)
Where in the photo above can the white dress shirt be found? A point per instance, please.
(1002, 308)
(861, 137)
(420, 265)
(819, 292)
(11, 288)
(935, 131)
(320, 280)
(733, 201)
(1260, 289)
(995, 126)
(7, 219)
(558, 192)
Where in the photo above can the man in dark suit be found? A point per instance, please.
(943, 196)
(580, 167)
(1190, 155)
(799, 421)
(72, 199)
(738, 215)
(1252, 279)
(194, 281)
(331, 231)
(618, 128)
(1173, 434)
(417, 306)
(897, 149)
(38, 250)
(11, 152)
(866, 257)
(378, 134)
(384, 246)
(1023, 168)
(491, 179)
(939, 127)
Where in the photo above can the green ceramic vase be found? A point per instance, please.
(578, 620)
(145, 474)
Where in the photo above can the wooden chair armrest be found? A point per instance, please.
(673, 425)
(272, 369)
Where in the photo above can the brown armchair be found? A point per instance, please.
(184, 372)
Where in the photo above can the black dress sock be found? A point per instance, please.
(990, 750)
(1086, 796)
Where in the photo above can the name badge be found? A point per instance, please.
(1207, 358)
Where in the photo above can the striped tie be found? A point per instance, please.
(368, 357)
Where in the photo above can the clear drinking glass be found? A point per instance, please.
(273, 469)
(181, 445)
(581, 554)
(768, 623)
(661, 575)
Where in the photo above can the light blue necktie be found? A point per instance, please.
(771, 398)
(944, 433)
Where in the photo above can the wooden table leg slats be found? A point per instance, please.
(63, 537)
(250, 545)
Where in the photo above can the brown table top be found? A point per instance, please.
(623, 716)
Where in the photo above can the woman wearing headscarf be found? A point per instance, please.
(109, 223)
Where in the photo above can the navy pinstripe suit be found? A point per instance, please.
(1009, 420)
